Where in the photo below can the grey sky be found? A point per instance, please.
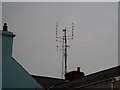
(94, 48)
(60, 0)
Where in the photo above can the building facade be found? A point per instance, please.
(13, 74)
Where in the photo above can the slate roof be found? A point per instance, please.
(95, 77)
(48, 82)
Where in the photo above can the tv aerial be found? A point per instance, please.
(64, 39)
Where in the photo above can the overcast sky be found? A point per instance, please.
(94, 48)
(60, 0)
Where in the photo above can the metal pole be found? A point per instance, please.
(63, 57)
(64, 39)
(65, 51)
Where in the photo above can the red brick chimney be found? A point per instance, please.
(73, 75)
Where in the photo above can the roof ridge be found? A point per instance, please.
(47, 77)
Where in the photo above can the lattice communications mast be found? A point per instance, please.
(63, 39)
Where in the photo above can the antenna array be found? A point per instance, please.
(63, 39)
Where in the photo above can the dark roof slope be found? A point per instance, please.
(95, 77)
(48, 82)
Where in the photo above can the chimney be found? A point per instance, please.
(5, 27)
(7, 42)
(73, 75)
(78, 69)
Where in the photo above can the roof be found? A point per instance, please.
(95, 77)
(48, 82)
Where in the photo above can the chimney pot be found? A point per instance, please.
(5, 27)
(78, 69)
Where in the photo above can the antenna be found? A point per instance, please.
(64, 39)
(72, 29)
(56, 30)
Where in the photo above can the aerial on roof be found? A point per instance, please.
(15, 76)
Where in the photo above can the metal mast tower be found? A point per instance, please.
(64, 40)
